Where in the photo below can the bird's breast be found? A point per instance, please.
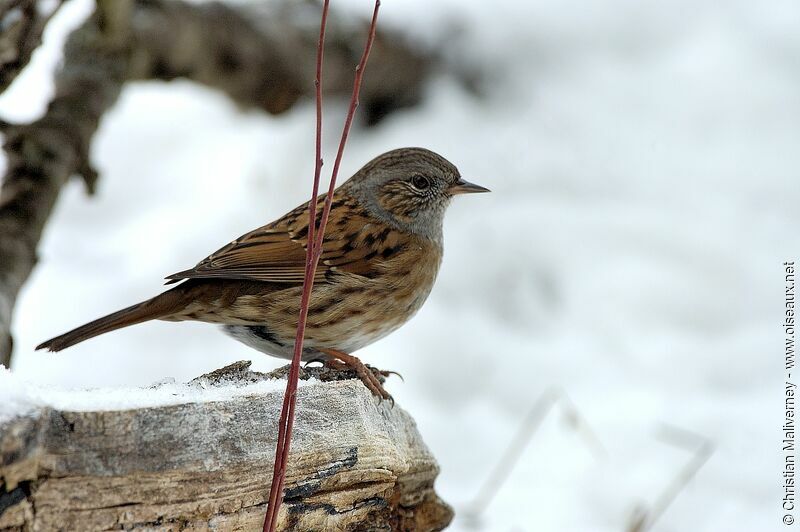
(351, 311)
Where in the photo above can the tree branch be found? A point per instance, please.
(22, 23)
(41, 157)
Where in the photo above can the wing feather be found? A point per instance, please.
(277, 252)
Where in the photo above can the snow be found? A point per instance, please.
(643, 159)
(22, 397)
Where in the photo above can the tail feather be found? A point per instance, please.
(160, 306)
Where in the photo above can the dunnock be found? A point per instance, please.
(381, 254)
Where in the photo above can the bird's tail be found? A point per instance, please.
(162, 305)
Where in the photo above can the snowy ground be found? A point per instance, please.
(648, 152)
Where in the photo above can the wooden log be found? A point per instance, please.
(355, 464)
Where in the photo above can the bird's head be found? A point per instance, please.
(410, 188)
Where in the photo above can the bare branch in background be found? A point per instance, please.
(22, 23)
(41, 156)
(257, 62)
(526, 432)
(645, 517)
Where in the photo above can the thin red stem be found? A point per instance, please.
(312, 211)
(313, 254)
(289, 397)
(347, 123)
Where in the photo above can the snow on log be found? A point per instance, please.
(199, 456)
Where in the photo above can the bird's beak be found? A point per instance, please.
(465, 187)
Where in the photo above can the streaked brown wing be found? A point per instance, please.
(277, 252)
(266, 254)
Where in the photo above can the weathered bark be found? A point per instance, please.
(263, 61)
(355, 465)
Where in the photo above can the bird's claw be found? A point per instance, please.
(371, 377)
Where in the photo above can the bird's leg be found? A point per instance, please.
(340, 360)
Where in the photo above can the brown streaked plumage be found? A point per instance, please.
(381, 254)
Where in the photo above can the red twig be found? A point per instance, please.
(313, 253)
(287, 410)
(346, 129)
(312, 212)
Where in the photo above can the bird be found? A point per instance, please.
(381, 253)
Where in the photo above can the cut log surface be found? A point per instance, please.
(355, 464)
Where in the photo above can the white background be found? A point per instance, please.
(643, 158)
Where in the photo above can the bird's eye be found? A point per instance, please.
(420, 182)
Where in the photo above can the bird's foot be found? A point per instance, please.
(372, 378)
